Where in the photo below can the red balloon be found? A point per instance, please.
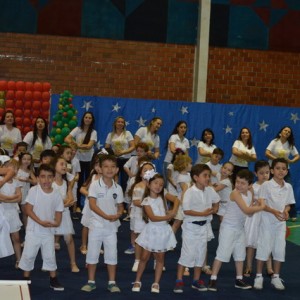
(27, 104)
(26, 129)
(27, 122)
(20, 95)
(10, 104)
(3, 85)
(46, 96)
(27, 113)
(36, 113)
(37, 86)
(1, 111)
(28, 95)
(10, 95)
(29, 86)
(45, 115)
(11, 85)
(19, 120)
(54, 123)
(20, 85)
(45, 105)
(46, 86)
(37, 95)
(19, 104)
(36, 105)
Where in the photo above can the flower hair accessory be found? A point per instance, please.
(149, 174)
(147, 163)
(103, 152)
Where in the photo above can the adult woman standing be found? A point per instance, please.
(177, 140)
(83, 139)
(38, 140)
(243, 152)
(10, 135)
(121, 142)
(206, 146)
(149, 136)
(284, 146)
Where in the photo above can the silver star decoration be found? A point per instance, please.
(263, 126)
(87, 105)
(116, 107)
(99, 145)
(194, 142)
(294, 117)
(126, 123)
(153, 110)
(184, 110)
(231, 114)
(228, 129)
(141, 122)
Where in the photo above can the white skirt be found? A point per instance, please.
(86, 214)
(6, 248)
(157, 237)
(13, 219)
(252, 226)
(66, 225)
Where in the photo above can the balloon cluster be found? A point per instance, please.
(64, 120)
(27, 100)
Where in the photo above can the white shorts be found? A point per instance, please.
(231, 242)
(194, 245)
(34, 242)
(271, 240)
(98, 236)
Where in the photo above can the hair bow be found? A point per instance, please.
(149, 174)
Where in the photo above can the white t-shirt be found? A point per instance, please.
(44, 206)
(281, 150)
(120, 142)
(239, 161)
(214, 168)
(132, 164)
(198, 200)
(107, 199)
(183, 144)
(9, 138)
(208, 148)
(157, 206)
(78, 134)
(152, 140)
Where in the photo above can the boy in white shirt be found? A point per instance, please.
(106, 205)
(278, 195)
(215, 165)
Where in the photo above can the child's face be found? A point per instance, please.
(109, 169)
(67, 155)
(241, 185)
(263, 174)
(146, 168)
(215, 158)
(97, 168)
(61, 166)
(227, 170)
(45, 179)
(21, 149)
(202, 180)
(140, 152)
(46, 160)
(280, 171)
(156, 185)
(26, 160)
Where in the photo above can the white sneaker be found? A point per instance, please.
(135, 266)
(277, 283)
(258, 283)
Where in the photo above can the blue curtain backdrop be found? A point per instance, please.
(225, 120)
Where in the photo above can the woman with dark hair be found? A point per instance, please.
(83, 139)
(206, 146)
(38, 140)
(10, 135)
(283, 146)
(149, 136)
(243, 152)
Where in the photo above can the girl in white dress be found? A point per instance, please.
(6, 248)
(66, 227)
(157, 236)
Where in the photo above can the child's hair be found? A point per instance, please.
(260, 164)
(181, 162)
(246, 174)
(178, 151)
(109, 157)
(95, 160)
(21, 144)
(143, 146)
(54, 162)
(46, 168)
(279, 160)
(218, 151)
(47, 153)
(21, 155)
(198, 169)
(62, 149)
(3, 152)
(143, 159)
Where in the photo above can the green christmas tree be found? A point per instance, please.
(64, 120)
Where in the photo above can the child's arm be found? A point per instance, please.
(175, 201)
(149, 212)
(96, 209)
(170, 179)
(15, 198)
(69, 199)
(8, 174)
(219, 187)
(237, 197)
(84, 190)
(128, 172)
(281, 216)
(203, 213)
(215, 207)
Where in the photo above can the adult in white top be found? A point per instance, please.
(205, 146)
(243, 152)
(149, 136)
(83, 139)
(38, 140)
(121, 142)
(177, 140)
(283, 146)
(10, 135)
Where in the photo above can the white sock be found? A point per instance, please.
(213, 277)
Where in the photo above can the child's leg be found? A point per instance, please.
(84, 239)
(160, 260)
(15, 237)
(111, 269)
(24, 215)
(180, 271)
(239, 269)
(269, 266)
(133, 237)
(249, 259)
(277, 266)
(176, 225)
(259, 266)
(57, 242)
(71, 250)
(145, 255)
(216, 268)
(197, 273)
(92, 271)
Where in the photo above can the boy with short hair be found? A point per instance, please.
(278, 195)
(105, 200)
(232, 232)
(47, 156)
(214, 164)
(44, 207)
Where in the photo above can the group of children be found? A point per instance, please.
(251, 215)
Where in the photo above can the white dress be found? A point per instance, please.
(66, 225)
(25, 186)
(137, 223)
(156, 236)
(6, 248)
(181, 178)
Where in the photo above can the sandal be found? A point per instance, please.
(247, 272)
(83, 250)
(137, 286)
(155, 288)
(207, 270)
